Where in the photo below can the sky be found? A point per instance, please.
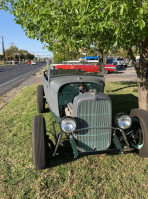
(13, 33)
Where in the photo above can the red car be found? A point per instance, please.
(84, 67)
(28, 62)
(87, 68)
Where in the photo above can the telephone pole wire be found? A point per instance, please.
(12, 44)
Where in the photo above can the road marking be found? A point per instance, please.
(17, 78)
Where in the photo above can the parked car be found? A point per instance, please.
(78, 104)
(33, 63)
(84, 67)
(28, 62)
(110, 66)
(120, 62)
(89, 66)
(137, 61)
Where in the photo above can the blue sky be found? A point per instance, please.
(13, 32)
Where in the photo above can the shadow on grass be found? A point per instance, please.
(46, 110)
(124, 88)
(66, 155)
(123, 103)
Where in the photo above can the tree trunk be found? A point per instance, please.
(105, 58)
(143, 94)
(100, 58)
(100, 55)
(142, 83)
(142, 74)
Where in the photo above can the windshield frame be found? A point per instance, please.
(53, 72)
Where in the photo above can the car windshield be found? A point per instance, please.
(59, 69)
(120, 59)
(109, 60)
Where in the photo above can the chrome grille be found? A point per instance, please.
(92, 113)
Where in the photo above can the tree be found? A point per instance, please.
(130, 24)
(64, 54)
(10, 52)
(29, 56)
(13, 53)
(77, 24)
(59, 22)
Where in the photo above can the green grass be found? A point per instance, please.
(99, 176)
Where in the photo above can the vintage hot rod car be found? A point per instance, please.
(78, 104)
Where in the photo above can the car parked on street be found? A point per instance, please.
(110, 65)
(78, 104)
(28, 62)
(33, 62)
(120, 62)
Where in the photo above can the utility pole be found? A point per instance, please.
(3, 49)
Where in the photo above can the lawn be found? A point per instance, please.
(99, 176)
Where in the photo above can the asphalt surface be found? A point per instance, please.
(13, 75)
(128, 75)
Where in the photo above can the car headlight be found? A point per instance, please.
(123, 121)
(68, 124)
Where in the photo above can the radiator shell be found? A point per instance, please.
(95, 111)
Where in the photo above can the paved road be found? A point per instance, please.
(12, 76)
(122, 75)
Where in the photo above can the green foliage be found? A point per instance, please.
(65, 55)
(14, 51)
(118, 52)
(78, 23)
(10, 52)
(61, 22)
(130, 21)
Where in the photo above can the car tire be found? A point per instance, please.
(39, 142)
(141, 116)
(40, 99)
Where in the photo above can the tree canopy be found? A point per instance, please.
(74, 23)
(78, 23)
(14, 53)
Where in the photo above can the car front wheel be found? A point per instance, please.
(138, 137)
(39, 142)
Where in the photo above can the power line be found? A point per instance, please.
(12, 43)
